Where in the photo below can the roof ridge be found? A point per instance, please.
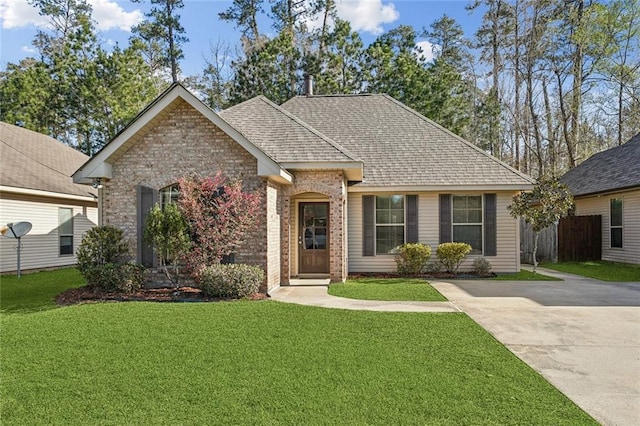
(307, 126)
(459, 138)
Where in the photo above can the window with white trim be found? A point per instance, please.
(467, 221)
(615, 222)
(65, 231)
(169, 195)
(390, 221)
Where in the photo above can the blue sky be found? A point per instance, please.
(20, 22)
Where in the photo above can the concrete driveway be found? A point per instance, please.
(582, 335)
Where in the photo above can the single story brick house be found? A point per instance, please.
(608, 184)
(344, 179)
(36, 187)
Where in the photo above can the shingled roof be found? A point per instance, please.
(614, 169)
(399, 146)
(282, 136)
(31, 160)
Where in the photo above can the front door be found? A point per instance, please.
(313, 238)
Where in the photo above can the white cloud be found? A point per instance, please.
(427, 50)
(19, 13)
(367, 15)
(28, 49)
(108, 15)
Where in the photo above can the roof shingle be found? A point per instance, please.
(399, 146)
(610, 170)
(32, 160)
(282, 136)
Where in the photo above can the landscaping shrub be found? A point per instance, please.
(481, 266)
(233, 281)
(101, 245)
(433, 268)
(451, 255)
(412, 258)
(116, 277)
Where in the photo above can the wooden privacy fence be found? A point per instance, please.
(574, 239)
(580, 238)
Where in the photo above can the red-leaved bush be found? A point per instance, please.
(221, 216)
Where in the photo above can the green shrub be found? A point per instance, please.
(433, 268)
(481, 266)
(116, 277)
(232, 281)
(101, 245)
(412, 258)
(451, 255)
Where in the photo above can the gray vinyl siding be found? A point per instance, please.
(40, 247)
(630, 251)
(507, 238)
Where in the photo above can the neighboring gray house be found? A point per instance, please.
(608, 184)
(36, 186)
(344, 180)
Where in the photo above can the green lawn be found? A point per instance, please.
(393, 289)
(525, 276)
(261, 363)
(600, 270)
(37, 291)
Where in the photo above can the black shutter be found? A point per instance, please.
(146, 199)
(445, 218)
(490, 244)
(412, 218)
(368, 225)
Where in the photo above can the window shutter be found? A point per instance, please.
(412, 218)
(490, 225)
(445, 218)
(146, 199)
(368, 225)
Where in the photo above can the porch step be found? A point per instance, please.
(323, 282)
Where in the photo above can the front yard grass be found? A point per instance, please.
(391, 289)
(36, 291)
(264, 363)
(524, 275)
(600, 270)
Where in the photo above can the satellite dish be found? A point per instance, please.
(16, 230)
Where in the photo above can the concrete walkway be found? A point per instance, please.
(582, 335)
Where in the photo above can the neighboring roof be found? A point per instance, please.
(614, 169)
(100, 166)
(400, 147)
(34, 161)
(281, 135)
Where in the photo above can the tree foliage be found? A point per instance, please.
(220, 214)
(549, 201)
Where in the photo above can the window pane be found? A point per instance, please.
(65, 221)
(474, 202)
(470, 234)
(396, 216)
(66, 245)
(459, 216)
(397, 202)
(382, 216)
(382, 202)
(388, 238)
(474, 216)
(616, 212)
(459, 202)
(616, 237)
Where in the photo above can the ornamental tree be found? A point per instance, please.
(221, 216)
(549, 201)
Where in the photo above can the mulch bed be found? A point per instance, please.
(431, 276)
(183, 294)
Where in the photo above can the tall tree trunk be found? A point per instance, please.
(517, 82)
(551, 146)
(172, 52)
(576, 91)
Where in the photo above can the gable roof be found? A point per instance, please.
(400, 147)
(614, 169)
(287, 139)
(33, 161)
(100, 165)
